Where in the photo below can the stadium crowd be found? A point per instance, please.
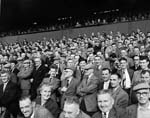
(102, 76)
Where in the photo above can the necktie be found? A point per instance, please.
(67, 83)
(4, 86)
(104, 115)
(123, 79)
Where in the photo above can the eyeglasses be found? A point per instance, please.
(143, 94)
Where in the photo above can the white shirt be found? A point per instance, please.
(88, 79)
(106, 85)
(69, 80)
(143, 112)
(107, 114)
(127, 82)
(4, 86)
(32, 116)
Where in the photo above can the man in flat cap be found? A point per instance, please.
(87, 90)
(68, 84)
(142, 108)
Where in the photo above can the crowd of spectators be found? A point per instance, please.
(101, 76)
(92, 19)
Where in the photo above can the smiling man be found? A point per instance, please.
(121, 98)
(106, 106)
(30, 110)
(142, 108)
(71, 109)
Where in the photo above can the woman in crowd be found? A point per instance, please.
(46, 101)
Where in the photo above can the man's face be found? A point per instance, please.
(97, 60)
(45, 92)
(82, 64)
(105, 75)
(142, 48)
(52, 72)
(123, 53)
(105, 102)
(71, 110)
(143, 96)
(26, 107)
(146, 77)
(4, 77)
(37, 62)
(70, 63)
(136, 60)
(68, 73)
(114, 81)
(26, 63)
(123, 64)
(99, 54)
(144, 64)
(136, 51)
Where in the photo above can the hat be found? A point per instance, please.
(7, 65)
(70, 68)
(19, 59)
(89, 66)
(141, 85)
(13, 61)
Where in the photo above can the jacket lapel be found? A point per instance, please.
(112, 114)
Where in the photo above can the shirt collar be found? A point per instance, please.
(90, 75)
(32, 116)
(141, 107)
(107, 113)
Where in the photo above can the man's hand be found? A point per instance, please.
(63, 89)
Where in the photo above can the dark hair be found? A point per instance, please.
(123, 58)
(25, 97)
(53, 66)
(104, 69)
(117, 74)
(144, 58)
(144, 72)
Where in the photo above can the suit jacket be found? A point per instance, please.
(53, 81)
(15, 71)
(71, 89)
(114, 113)
(130, 62)
(9, 98)
(24, 76)
(130, 72)
(101, 85)
(135, 69)
(136, 76)
(38, 76)
(13, 77)
(121, 98)
(81, 115)
(50, 105)
(131, 111)
(41, 112)
(87, 91)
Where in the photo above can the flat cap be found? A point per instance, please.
(7, 65)
(141, 85)
(70, 68)
(89, 66)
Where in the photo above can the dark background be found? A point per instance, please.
(17, 13)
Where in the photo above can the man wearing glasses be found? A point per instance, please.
(142, 108)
